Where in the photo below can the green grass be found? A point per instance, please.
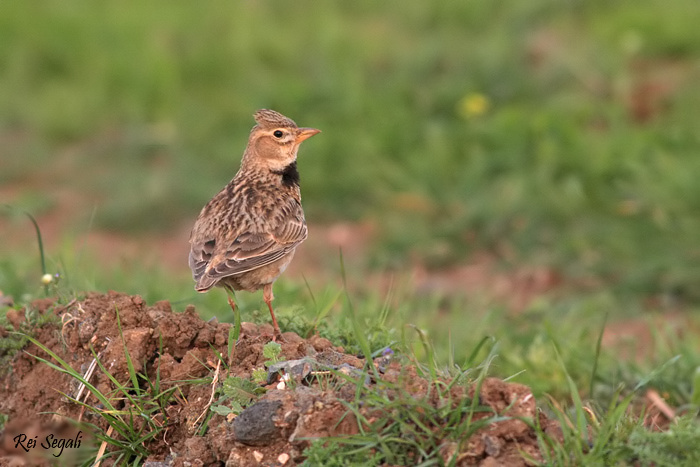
(404, 429)
(135, 411)
(143, 109)
(598, 397)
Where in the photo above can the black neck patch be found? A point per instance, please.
(290, 175)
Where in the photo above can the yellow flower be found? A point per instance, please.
(473, 105)
(46, 279)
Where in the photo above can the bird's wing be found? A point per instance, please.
(249, 250)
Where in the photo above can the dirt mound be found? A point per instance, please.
(203, 409)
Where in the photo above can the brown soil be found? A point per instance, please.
(274, 430)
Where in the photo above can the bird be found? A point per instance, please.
(246, 235)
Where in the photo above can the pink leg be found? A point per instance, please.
(268, 297)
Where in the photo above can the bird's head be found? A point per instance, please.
(275, 140)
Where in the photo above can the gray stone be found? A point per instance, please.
(300, 369)
(255, 425)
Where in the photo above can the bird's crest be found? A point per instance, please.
(270, 119)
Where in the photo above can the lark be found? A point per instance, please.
(245, 237)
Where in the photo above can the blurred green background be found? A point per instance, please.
(555, 134)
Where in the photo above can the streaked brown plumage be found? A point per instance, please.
(245, 237)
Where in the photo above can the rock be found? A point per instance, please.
(301, 368)
(255, 425)
(298, 369)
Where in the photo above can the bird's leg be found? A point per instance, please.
(268, 297)
(236, 314)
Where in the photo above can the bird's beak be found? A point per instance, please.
(305, 133)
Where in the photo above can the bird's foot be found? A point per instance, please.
(274, 336)
(277, 337)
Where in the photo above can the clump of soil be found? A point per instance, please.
(182, 350)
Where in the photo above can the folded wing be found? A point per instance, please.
(212, 259)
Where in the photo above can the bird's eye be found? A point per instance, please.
(278, 133)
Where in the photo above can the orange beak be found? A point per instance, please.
(305, 133)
